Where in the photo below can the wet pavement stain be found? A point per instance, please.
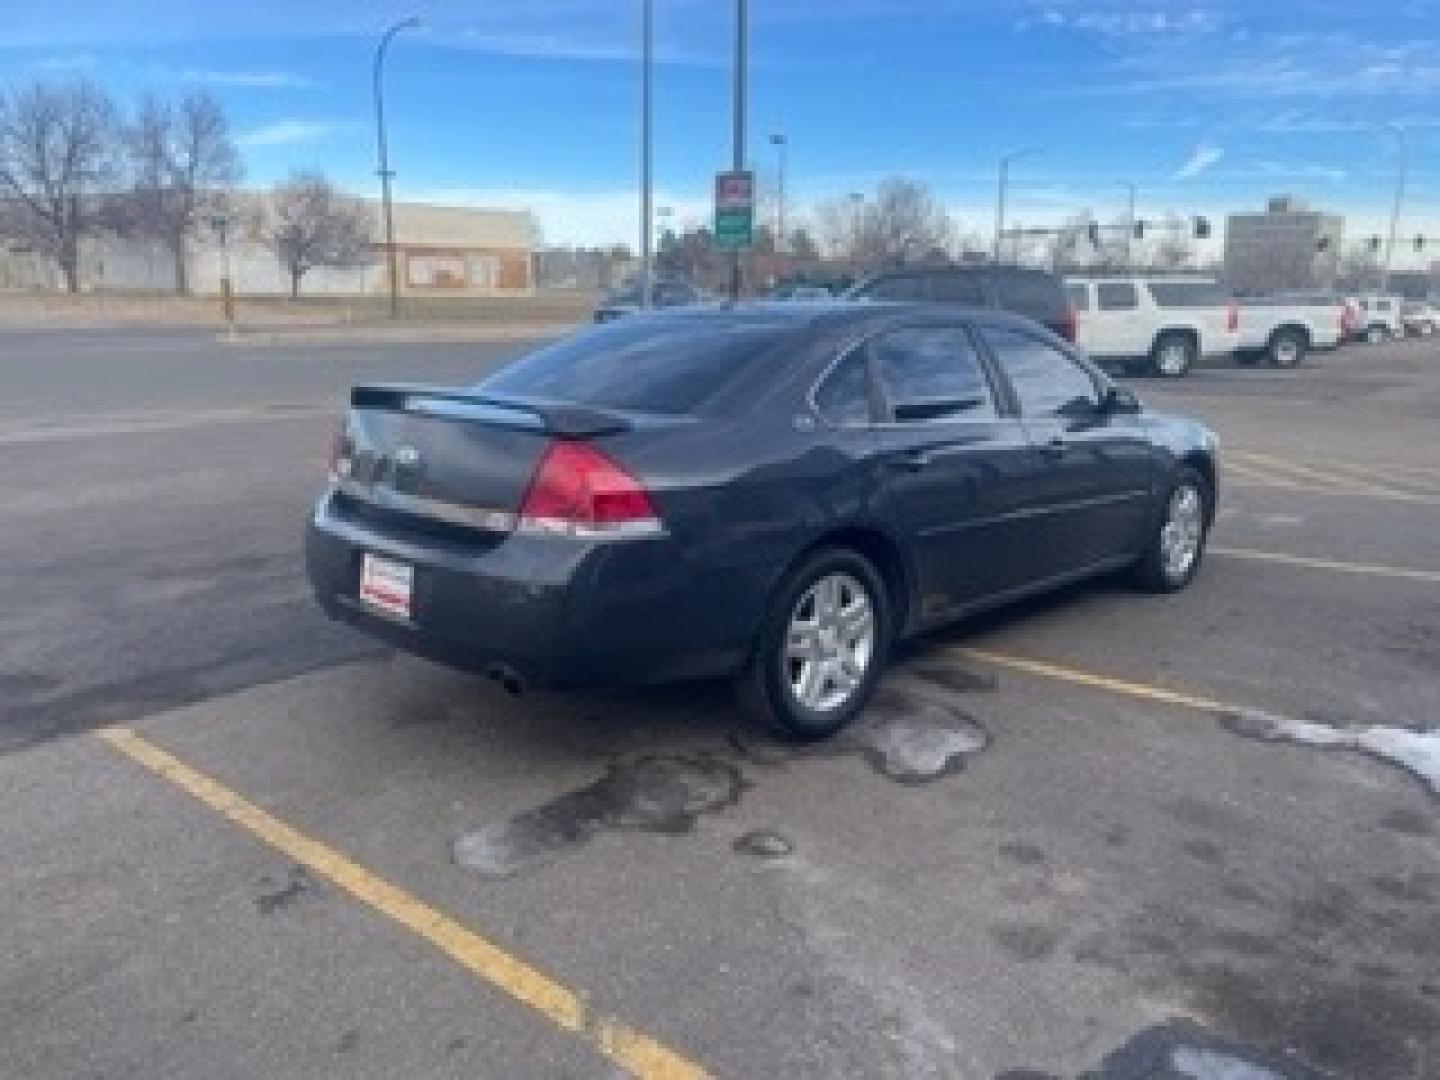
(1181, 1050)
(1416, 752)
(764, 844)
(651, 794)
(912, 738)
(299, 884)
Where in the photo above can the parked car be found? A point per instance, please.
(1283, 328)
(803, 293)
(773, 492)
(1160, 326)
(1421, 318)
(1019, 289)
(1378, 319)
(663, 294)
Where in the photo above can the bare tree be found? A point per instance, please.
(904, 221)
(308, 224)
(182, 163)
(1173, 249)
(57, 162)
(837, 224)
(1359, 270)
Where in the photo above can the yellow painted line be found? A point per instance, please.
(1312, 474)
(639, 1055)
(1337, 565)
(1096, 682)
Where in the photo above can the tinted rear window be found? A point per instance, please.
(899, 287)
(958, 289)
(1079, 296)
(1188, 294)
(1029, 293)
(668, 367)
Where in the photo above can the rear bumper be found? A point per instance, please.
(550, 611)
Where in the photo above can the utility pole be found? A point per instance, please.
(1403, 145)
(385, 174)
(647, 58)
(741, 34)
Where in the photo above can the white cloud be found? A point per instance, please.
(291, 132)
(569, 47)
(1202, 158)
(255, 80)
(78, 61)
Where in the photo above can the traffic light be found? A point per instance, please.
(1323, 244)
(1139, 230)
(1373, 243)
(1202, 228)
(1092, 231)
(1420, 242)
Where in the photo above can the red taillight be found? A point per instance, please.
(1070, 326)
(577, 489)
(1232, 318)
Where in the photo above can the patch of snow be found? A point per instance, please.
(1416, 751)
(1200, 1064)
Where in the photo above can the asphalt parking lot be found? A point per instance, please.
(1105, 833)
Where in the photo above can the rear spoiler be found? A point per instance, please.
(565, 421)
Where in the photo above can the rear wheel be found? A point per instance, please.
(1177, 543)
(1173, 355)
(822, 647)
(1287, 348)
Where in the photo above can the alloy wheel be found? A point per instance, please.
(1183, 531)
(829, 642)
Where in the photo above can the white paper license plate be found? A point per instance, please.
(386, 585)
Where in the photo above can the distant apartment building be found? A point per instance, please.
(1287, 246)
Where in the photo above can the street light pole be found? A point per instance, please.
(1130, 233)
(1014, 155)
(1403, 143)
(741, 35)
(647, 57)
(385, 174)
(781, 143)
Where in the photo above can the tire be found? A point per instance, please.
(1173, 355)
(1157, 571)
(1287, 348)
(772, 686)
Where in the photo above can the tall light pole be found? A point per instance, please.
(1130, 232)
(1403, 149)
(742, 32)
(781, 144)
(385, 174)
(647, 64)
(1005, 162)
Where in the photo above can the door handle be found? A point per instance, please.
(911, 462)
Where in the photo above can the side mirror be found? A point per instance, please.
(1119, 400)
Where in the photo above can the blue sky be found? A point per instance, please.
(1205, 106)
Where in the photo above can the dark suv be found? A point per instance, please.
(1019, 289)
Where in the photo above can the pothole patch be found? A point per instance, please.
(651, 794)
(913, 738)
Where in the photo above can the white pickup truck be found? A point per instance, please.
(1281, 329)
(1160, 325)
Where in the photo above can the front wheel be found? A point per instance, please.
(1173, 355)
(1177, 542)
(1287, 349)
(822, 647)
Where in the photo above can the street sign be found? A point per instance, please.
(734, 210)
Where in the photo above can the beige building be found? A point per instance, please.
(440, 251)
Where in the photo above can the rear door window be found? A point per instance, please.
(671, 366)
(897, 287)
(1029, 293)
(1047, 381)
(1079, 296)
(1117, 296)
(932, 373)
(1188, 294)
(958, 289)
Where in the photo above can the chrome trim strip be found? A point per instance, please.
(387, 498)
